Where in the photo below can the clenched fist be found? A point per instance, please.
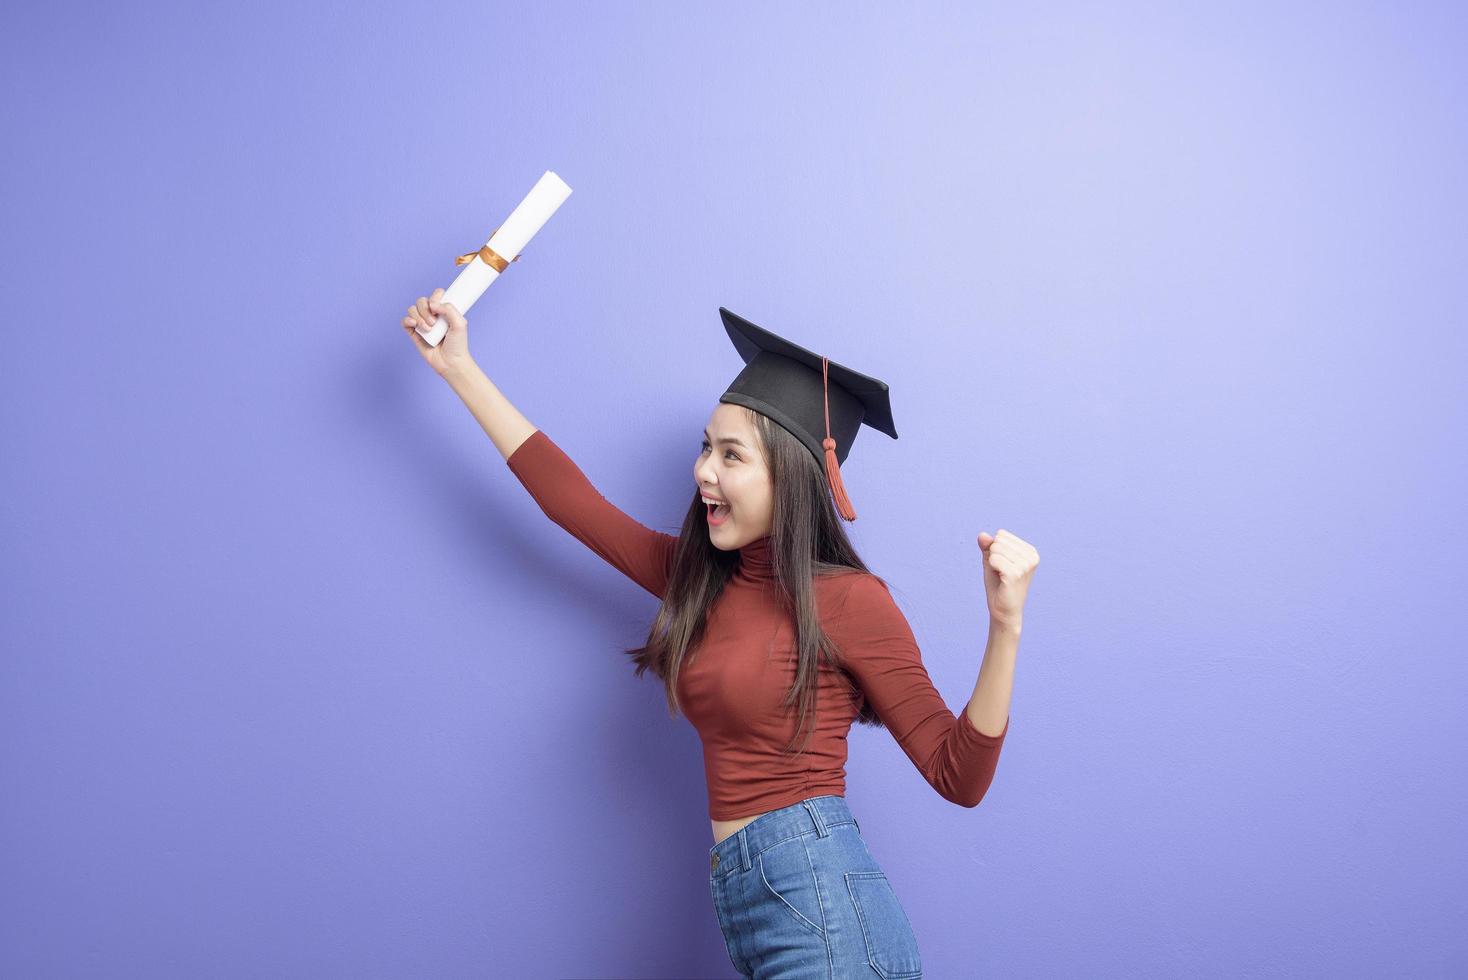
(1009, 564)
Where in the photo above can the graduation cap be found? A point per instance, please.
(818, 401)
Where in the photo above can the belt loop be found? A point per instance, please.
(810, 807)
(744, 864)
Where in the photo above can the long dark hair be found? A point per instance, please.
(807, 540)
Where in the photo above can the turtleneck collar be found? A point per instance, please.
(756, 561)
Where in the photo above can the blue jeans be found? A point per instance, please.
(799, 895)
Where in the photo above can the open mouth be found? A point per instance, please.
(718, 514)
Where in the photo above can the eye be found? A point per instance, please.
(727, 452)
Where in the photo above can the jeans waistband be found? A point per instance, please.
(737, 851)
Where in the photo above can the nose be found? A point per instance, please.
(702, 470)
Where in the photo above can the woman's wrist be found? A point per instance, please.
(459, 370)
(1009, 626)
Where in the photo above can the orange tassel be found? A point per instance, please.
(833, 468)
(833, 477)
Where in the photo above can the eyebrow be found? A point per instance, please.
(724, 439)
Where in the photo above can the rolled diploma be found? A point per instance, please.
(529, 216)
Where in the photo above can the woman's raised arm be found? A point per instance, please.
(450, 360)
(496, 415)
(571, 500)
(560, 488)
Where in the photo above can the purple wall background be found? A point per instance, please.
(298, 682)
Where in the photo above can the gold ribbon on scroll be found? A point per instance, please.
(491, 258)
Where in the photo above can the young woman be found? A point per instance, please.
(773, 637)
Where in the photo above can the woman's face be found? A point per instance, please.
(731, 469)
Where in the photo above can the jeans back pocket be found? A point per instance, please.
(891, 945)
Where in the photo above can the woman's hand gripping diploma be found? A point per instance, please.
(452, 352)
(501, 421)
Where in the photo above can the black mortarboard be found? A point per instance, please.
(810, 396)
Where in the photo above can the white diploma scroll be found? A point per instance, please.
(503, 247)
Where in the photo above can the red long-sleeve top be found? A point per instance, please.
(732, 686)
